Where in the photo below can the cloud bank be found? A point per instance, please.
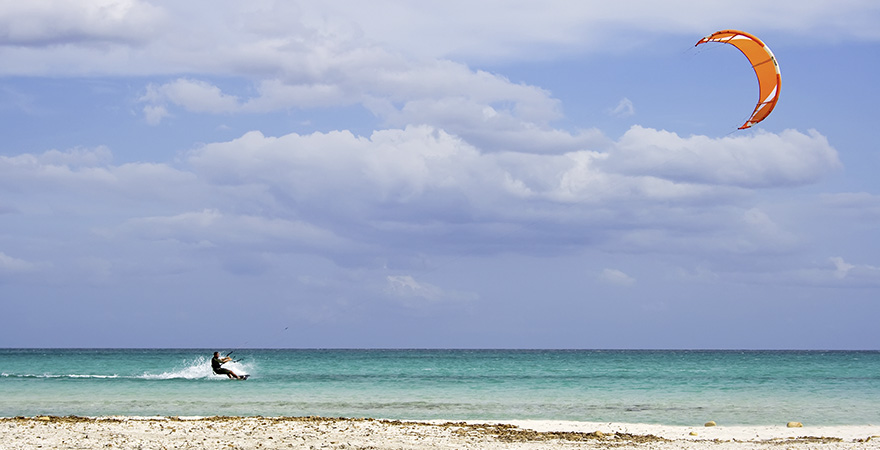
(337, 192)
(465, 179)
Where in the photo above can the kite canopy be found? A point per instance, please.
(763, 62)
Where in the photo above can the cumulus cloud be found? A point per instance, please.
(194, 95)
(414, 146)
(421, 188)
(462, 155)
(486, 109)
(51, 22)
(154, 114)
(344, 172)
(757, 160)
(440, 177)
(404, 184)
(77, 173)
(78, 157)
(402, 165)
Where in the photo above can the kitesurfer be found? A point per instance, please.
(217, 361)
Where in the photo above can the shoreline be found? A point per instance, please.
(352, 433)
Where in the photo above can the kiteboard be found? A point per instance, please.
(244, 377)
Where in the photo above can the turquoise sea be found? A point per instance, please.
(662, 387)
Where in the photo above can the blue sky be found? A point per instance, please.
(436, 174)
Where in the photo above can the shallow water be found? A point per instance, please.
(663, 387)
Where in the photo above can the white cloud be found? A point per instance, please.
(78, 157)
(287, 40)
(842, 268)
(415, 188)
(275, 94)
(623, 109)
(614, 276)
(496, 30)
(10, 265)
(77, 174)
(211, 228)
(406, 286)
(832, 272)
(763, 233)
(410, 292)
(343, 172)
(457, 162)
(154, 114)
(85, 22)
(400, 165)
(399, 92)
(193, 95)
(858, 274)
(756, 160)
(406, 182)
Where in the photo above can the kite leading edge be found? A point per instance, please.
(764, 63)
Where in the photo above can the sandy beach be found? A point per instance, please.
(44, 432)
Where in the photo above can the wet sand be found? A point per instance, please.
(45, 432)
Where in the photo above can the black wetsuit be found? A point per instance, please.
(215, 364)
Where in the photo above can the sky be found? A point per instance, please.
(436, 174)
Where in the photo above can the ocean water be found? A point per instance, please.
(662, 387)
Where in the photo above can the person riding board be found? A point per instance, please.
(217, 361)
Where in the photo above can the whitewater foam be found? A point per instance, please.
(196, 369)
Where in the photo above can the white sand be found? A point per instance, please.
(322, 433)
(726, 433)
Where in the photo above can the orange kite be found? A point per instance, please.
(763, 62)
